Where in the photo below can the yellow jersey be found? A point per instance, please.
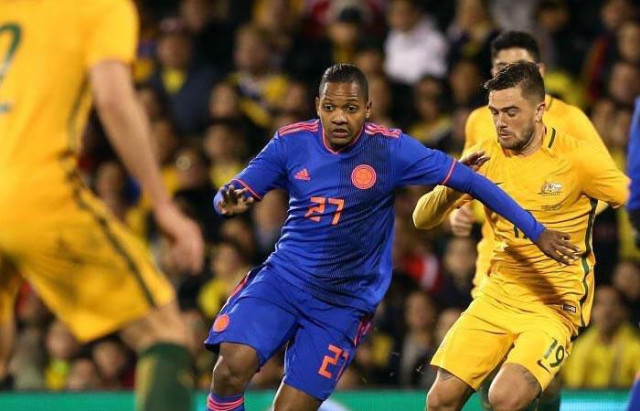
(47, 48)
(559, 184)
(479, 127)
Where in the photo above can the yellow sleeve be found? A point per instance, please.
(434, 206)
(600, 177)
(112, 33)
(580, 127)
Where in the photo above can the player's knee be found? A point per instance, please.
(503, 398)
(440, 400)
(234, 369)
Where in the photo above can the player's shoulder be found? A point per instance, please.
(561, 111)
(562, 143)
(380, 131)
(479, 116)
(299, 128)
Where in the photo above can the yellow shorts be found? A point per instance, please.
(85, 265)
(488, 331)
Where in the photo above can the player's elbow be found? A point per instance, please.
(420, 220)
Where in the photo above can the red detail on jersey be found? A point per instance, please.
(221, 323)
(248, 187)
(300, 126)
(363, 176)
(446, 179)
(302, 175)
(373, 128)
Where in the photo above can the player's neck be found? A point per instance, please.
(535, 143)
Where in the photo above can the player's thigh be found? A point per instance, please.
(541, 348)
(474, 346)
(254, 316)
(513, 388)
(90, 270)
(323, 347)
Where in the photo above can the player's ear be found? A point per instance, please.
(542, 68)
(540, 111)
(367, 110)
(318, 106)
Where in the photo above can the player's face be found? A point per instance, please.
(513, 55)
(343, 109)
(514, 117)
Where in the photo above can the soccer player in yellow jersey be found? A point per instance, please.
(529, 308)
(510, 47)
(91, 272)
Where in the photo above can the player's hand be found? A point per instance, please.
(461, 221)
(475, 160)
(187, 245)
(557, 246)
(234, 201)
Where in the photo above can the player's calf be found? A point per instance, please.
(514, 389)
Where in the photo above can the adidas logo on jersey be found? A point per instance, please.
(302, 175)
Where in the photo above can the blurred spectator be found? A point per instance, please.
(240, 230)
(112, 361)
(381, 98)
(430, 99)
(446, 319)
(203, 360)
(110, 186)
(629, 42)
(613, 14)
(466, 84)
(297, 101)
(229, 265)
(470, 35)
(61, 347)
(345, 32)
(418, 345)
(183, 84)
(260, 87)
(29, 360)
(268, 217)
(225, 148)
(624, 82)
(209, 38)
(150, 101)
(454, 290)
(626, 279)
(607, 355)
(369, 58)
(414, 46)
(513, 15)
(452, 142)
(83, 376)
(279, 21)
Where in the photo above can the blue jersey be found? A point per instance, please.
(633, 159)
(336, 242)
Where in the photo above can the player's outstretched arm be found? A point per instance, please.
(554, 244)
(434, 206)
(128, 130)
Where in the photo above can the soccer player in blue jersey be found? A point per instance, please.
(316, 293)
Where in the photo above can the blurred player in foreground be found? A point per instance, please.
(85, 265)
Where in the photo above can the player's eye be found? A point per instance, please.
(512, 113)
(352, 109)
(328, 107)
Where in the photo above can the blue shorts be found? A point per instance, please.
(265, 312)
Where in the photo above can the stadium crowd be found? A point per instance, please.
(218, 78)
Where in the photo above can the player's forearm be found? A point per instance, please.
(433, 207)
(463, 179)
(128, 132)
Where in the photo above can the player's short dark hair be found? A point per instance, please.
(515, 39)
(523, 74)
(345, 73)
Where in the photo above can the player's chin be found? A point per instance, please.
(341, 139)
